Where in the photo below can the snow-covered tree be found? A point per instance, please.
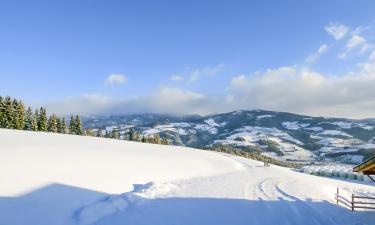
(2, 109)
(52, 124)
(78, 124)
(35, 121)
(72, 125)
(62, 127)
(8, 113)
(19, 110)
(29, 117)
(42, 119)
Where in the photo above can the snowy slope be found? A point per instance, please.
(62, 179)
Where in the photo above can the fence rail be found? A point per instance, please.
(352, 203)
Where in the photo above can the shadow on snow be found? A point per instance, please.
(58, 204)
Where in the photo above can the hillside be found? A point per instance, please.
(281, 135)
(49, 179)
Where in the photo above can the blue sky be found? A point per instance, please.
(189, 56)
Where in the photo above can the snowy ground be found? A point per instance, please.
(61, 179)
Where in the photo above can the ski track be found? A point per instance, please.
(271, 190)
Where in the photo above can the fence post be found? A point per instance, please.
(337, 196)
(352, 202)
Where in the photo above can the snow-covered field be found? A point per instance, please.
(49, 179)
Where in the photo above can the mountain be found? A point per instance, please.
(281, 135)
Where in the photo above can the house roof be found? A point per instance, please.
(367, 167)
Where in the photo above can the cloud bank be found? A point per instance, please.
(291, 89)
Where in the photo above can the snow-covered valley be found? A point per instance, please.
(282, 136)
(63, 179)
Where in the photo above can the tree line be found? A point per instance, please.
(251, 153)
(15, 115)
(130, 135)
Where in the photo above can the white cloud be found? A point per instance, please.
(372, 56)
(176, 78)
(116, 79)
(86, 104)
(307, 92)
(195, 74)
(355, 42)
(313, 57)
(338, 31)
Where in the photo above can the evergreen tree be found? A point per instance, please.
(131, 134)
(114, 134)
(144, 139)
(19, 109)
(35, 121)
(137, 137)
(8, 113)
(164, 141)
(89, 132)
(62, 128)
(58, 120)
(29, 117)
(42, 120)
(72, 125)
(52, 124)
(78, 124)
(156, 139)
(1, 111)
(99, 133)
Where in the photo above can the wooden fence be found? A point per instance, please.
(355, 202)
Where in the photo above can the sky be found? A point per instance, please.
(190, 57)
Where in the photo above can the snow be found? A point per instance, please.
(211, 122)
(315, 129)
(335, 133)
(49, 179)
(264, 116)
(173, 127)
(294, 125)
(350, 125)
(205, 127)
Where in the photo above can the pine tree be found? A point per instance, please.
(89, 132)
(2, 109)
(114, 134)
(19, 109)
(29, 117)
(35, 121)
(62, 129)
(79, 128)
(131, 134)
(137, 137)
(99, 133)
(164, 141)
(8, 113)
(58, 120)
(156, 139)
(42, 119)
(72, 125)
(52, 124)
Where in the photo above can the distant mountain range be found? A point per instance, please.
(284, 136)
